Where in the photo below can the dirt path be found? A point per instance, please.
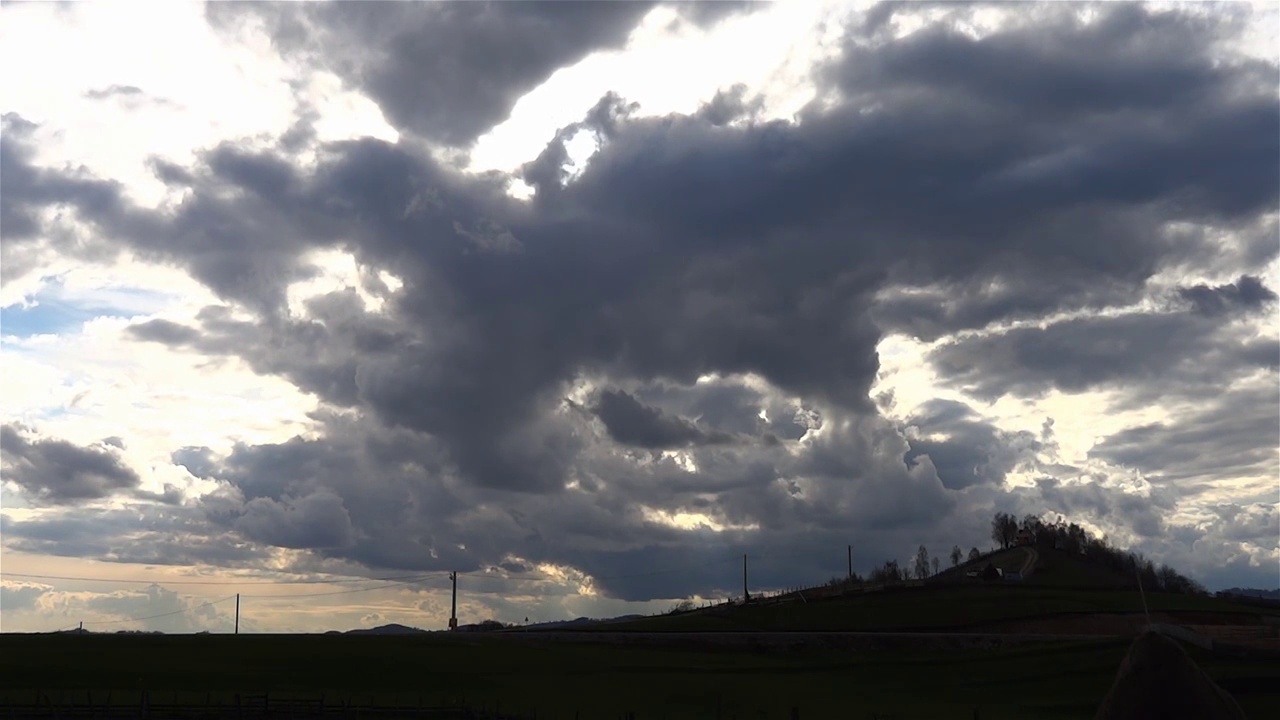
(1030, 564)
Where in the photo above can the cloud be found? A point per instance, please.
(128, 95)
(1144, 353)
(142, 532)
(1230, 436)
(1246, 294)
(164, 610)
(963, 447)
(165, 331)
(633, 423)
(318, 520)
(20, 596)
(112, 91)
(1019, 200)
(60, 473)
(450, 72)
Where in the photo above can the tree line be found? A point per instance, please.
(1129, 567)
(1073, 539)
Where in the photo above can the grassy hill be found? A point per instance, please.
(933, 608)
(1059, 584)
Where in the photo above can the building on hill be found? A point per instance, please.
(1024, 537)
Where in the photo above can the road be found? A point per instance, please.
(1030, 564)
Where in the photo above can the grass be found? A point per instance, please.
(937, 607)
(559, 678)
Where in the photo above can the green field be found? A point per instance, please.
(559, 678)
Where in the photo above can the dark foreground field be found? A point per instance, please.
(765, 676)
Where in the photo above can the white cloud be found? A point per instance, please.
(671, 67)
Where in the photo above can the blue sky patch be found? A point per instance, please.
(56, 311)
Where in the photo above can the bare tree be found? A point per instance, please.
(956, 555)
(937, 564)
(922, 563)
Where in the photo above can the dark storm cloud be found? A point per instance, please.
(451, 71)
(60, 473)
(631, 422)
(1143, 514)
(986, 177)
(1144, 354)
(973, 450)
(166, 332)
(29, 189)
(1232, 435)
(171, 495)
(199, 461)
(318, 520)
(142, 533)
(1246, 294)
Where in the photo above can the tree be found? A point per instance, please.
(1004, 529)
(936, 564)
(922, 563)
(887, 573)
(974, 554)
(956, 555)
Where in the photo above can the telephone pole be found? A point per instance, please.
(453, 608)
(237, 632)
(746, 596)
(851, 562)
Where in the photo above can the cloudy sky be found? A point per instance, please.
(585, 301)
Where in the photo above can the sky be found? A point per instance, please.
(318, 302)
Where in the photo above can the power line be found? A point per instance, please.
(393, 580)
(168, 614)
(347, 592)
(150, 617)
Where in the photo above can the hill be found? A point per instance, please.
(1041, 590)
(1253, 593)
(391, 629)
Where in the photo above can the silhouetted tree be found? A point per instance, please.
(1004, 529)
(887, 573)
(1070, 537)
(936, 564)
(922, 563)
(974, 554)
(956, 555)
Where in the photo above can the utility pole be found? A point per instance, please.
(453, 608)
(746, 596)
(81, 626)
(237, 632)
(850, 562)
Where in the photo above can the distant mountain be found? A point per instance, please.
(1254, 593)
(582, 621)
(392, 629)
